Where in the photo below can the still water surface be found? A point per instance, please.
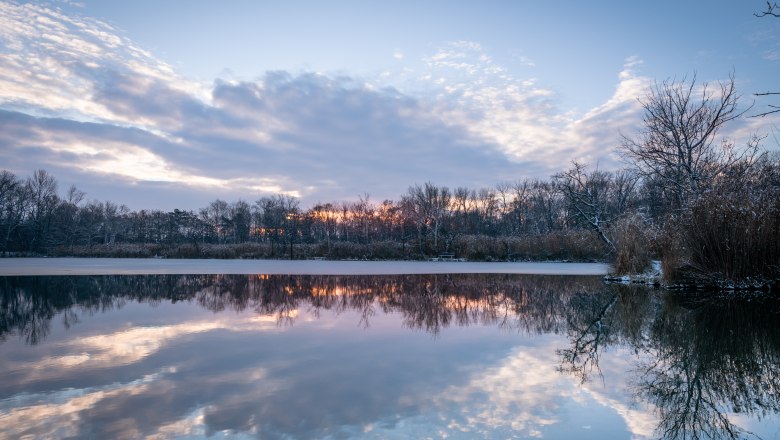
(415, 356)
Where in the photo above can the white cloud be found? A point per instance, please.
(522, 118)
(55, 61)
(524, 393)
(105, 107)
(124, 347)
(58, 414)
(295, 135)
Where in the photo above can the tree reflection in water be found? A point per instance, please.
(712, 358)
(701, 358)
(698, 360)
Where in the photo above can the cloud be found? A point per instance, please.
(131, 346)
(523, 395)
(52, 62)
(90, 102)
(523, 118)
(90, 106)
(59, 414)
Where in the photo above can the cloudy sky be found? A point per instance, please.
(173, 104)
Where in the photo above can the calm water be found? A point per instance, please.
(444, 356)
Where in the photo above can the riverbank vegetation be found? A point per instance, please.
(707, 208)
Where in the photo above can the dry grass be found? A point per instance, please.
(573, 245)
(633, 238)
(730, 239)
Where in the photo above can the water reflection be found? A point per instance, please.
(710, 360)
(704, 360)
(427, 302)
(695, 368)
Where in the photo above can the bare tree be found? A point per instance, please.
(14, 201)
(678, 145)
(215, 216)
(240, 219)
(596, 198)
(278, 217)
(42, 189)
(429, 207)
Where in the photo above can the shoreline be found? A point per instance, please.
(150, 266)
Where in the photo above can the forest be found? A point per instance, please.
(707, 208)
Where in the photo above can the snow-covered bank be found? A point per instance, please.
(139, 266)
(653, 277)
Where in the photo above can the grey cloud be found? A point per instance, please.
(327, 138)
(349, 134)
(319, 132)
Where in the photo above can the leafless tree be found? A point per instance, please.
(429, 207)
(679, 144)
(42, 189)
(14, 201)
(213, 215)
(278, 216)
(597, 197)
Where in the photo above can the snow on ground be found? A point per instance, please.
(140, 266)
(652, 276)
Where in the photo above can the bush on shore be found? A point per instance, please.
(730, 240)
(573, 245)
(633, 237)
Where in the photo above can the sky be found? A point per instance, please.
(173, 104)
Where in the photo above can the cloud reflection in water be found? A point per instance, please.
(338, 357)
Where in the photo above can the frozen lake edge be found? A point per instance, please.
(151, 266)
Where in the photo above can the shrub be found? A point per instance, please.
(732, 239)
(576, 245)
(387, 250)
(632, 237)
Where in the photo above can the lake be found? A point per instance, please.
(381, 356)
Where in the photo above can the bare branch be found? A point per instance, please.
(678, 145)
(761, 115)
(772, 10)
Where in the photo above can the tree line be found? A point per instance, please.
(710, 209)
(35, 218)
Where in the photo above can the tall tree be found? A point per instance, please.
(596, 198)
(240, 221)
(42, 188)
(216, 215)
(679, 143)
(429, 206)
(14, 199)
(278, 218)
(66, 226)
